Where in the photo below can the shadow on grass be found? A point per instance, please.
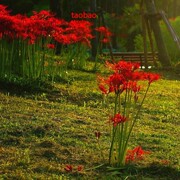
(133, 172)
(157, 170)
(19, 86)
(169, 74)
(46, 91)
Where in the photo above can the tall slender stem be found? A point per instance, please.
(131, 128)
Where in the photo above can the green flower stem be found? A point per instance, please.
(41, 68)
(131, 128)
(125, 103)
(113, 133)
(122, 135)
(120, 145)
(10, 66)
(119, 103)
(23, 59)
(112, 145)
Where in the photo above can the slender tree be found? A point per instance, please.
(175, 8)
(94, 42)
(56, 7)
(162, 51)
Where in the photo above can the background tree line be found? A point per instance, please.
(122, 16)
(171, 7)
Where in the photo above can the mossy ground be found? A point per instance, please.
(42, 132)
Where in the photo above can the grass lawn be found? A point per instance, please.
(43, 131)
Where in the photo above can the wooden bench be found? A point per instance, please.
(135, 57)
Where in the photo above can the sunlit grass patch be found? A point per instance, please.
(41, 133)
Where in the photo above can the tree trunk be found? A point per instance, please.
(175, 8)
(94, 42)
(56, 7)
(162, 51)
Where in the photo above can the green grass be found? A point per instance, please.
(43, 131)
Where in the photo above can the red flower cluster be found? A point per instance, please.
(3, 10)
(115, 83)
(69, 168)
(43, 24)
(125, 77)
(117, 119)
(151, 77)
(50, 46)
(136, 154)
(105, 33)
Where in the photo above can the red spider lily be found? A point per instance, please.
(68, 168)
(117, 119)
(132, 85)
(115, 82)
(97, 134)
(123, 66)
(105, 40)
(50, 46)
(125, 79)
(125, 76)
(136, 66)
(136, 154)
(151, 77)
(61, 38)
(3, 10)
(105, 33)
(44, 14)
(103, 89)
(127, 69)
(44, 24)
(82, 30)
(75, 31)
(137, 76)
(102, 84)
(80, 168)
(11, 26)
(135, 88)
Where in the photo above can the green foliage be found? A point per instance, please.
(75, 56)
(132, 24)
(40, 5)
(169, 42)
(23, 59)
(171, 45)
(138, 42)
(20, 6)
(36, 61)
(171, 7)
(125, 27)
